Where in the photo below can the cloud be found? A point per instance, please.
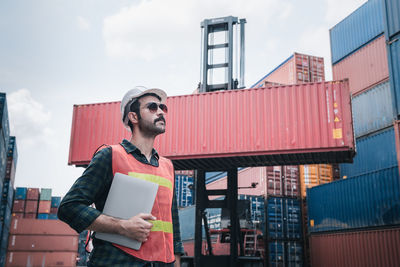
(83, 23)
(315, 41)
(150, 29)
(339, 9)
(29, 119)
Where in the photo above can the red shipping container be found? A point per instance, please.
(39, 259)
(375, 248)
(18, 206)
(30, 215)
(282, 181)
(270, 181)
(18, 215)
(32, 194)
(40, 227)
(44, 206)
(31, 206)
(298, 68)
(274, 181)
(248, 127)
(43, 243)
(53, 210)
(364, 68)
(291, 181)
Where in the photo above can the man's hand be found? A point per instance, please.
(137, 227)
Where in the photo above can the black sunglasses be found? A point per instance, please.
(153, 107)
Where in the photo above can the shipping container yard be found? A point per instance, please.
(301, 172)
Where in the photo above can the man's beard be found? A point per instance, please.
(151, 129)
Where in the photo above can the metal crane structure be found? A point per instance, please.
(212, 46)
(218, 60)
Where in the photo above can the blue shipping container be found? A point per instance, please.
(285, 253)
(8, 193)
(393, 53)
(52, 216)
(4, 124)
(373, 110)
(184, 194)
(3, 159)
(374, 152)
(369, 200)
(12, 149)
(357, 29)
(4, 237)
(391, 17)
(20, 193)
(283, 218)
(55, 202)
(43, 216)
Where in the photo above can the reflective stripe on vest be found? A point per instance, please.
(152, 178)
(160, 226)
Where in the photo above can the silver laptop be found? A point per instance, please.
(128, 196)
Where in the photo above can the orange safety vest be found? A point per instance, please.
(159, 245)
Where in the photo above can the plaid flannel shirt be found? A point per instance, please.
(93, 187)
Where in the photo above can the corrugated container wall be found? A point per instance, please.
(372, 110)
(283, 218)
(268, 181)
(194, 134)
(18, 259)
(298, 68)
(313, 175)
(393, 50)
(370, 200)
(284, 253)
(391, 17)
(363, 25)
(377, 248)
(364, 68)
(374, 152)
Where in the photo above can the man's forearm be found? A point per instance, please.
(106, 224)
(136, 227)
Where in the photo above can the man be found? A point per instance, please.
(142, 113)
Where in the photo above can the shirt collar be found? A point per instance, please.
(131, 148)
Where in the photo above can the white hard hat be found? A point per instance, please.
(135, 93)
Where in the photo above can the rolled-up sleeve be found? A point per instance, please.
(91, 187)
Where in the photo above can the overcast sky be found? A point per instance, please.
(54, 54)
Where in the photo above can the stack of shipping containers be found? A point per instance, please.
(35, 203)
(275, 209)
(301, 68)
(34, 242)
(355, 221)
(8, 162)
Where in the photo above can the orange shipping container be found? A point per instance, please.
(40, 227)
(44, 206)
(313, 175)
(43, 243)
(65, 259)
(364, 68)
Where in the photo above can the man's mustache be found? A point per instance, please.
(159, 119)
